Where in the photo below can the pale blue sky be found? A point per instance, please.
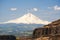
(45, 9)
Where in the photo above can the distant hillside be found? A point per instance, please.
(18, 29)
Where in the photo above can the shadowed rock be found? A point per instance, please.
(7, 37)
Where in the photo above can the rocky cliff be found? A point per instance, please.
(47, 31)
(53, 24)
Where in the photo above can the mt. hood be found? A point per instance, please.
(28, 19)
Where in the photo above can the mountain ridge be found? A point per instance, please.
(53, 24)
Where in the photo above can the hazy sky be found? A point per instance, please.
(45, 9)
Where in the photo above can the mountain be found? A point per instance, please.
(28, 19)
(21, 26)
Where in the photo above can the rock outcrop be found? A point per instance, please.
(48, 32)
(53, 24)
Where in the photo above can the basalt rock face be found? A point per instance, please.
(49, 32)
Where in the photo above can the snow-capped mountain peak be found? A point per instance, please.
(28, 19)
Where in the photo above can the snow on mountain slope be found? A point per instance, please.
(28, 19)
